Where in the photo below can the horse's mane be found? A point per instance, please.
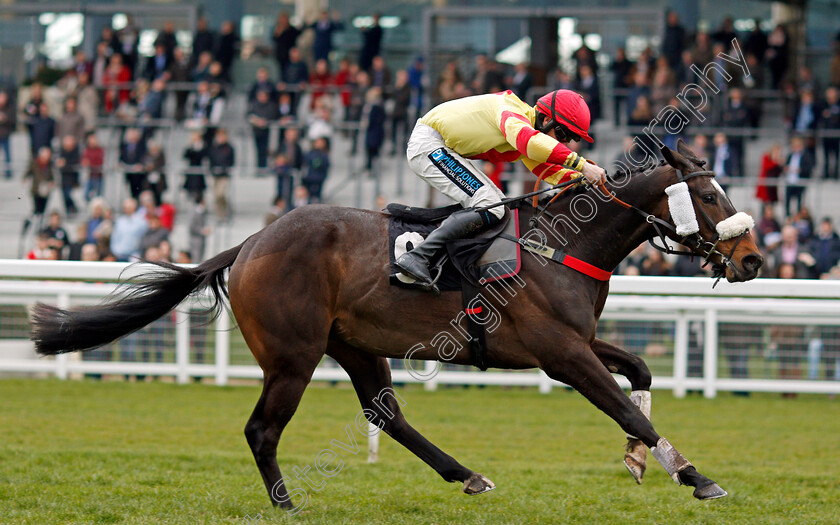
(574, 238)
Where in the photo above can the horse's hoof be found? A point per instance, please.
(712, 491)
(636, 469)
(477, 484)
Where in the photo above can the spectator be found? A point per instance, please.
(324, 28)
(300, 198)
(374, 124)
(179, 72)
(341, 81)
(771, 168)
(521, 82)
(90, 253)
(726, 33)
(222, 158)
(157, 64)
(737, 115)
(41, 250)
(487, 78)
(584, 56)
(290, 147)
(399, 115)
(640, 89)
(723, 161)
(448, 79)
(87, 102)
(798, 167)
(756, 42)
(262, 82)
(768, 229)
(199, 230)
(32, 107)
(128, 231)
(825, 248)
(204, 41)
(317, 164)
(201, 70)
(590, 90)
(642, 113)
(166, 213)
(227, 47)
(371, 43)
(285, 109)
(129, 39)
(320, 81)
(806, 115)
(621, 68)
(132, 153)
(154, 164)
(702, 49)
(74, 248)
(320, 126)
(674, 42)
(830, 122)
(41, 129)
(285, 37)
(68, 163)
(262, 113)
(295, 76)
(154, 235)
(700, 145)
(194, 182)
(208, 108)
(56, 233)
(791, 252)
(284, 174)
(417, 80)
(71, 122)
(100, 64)
(683, 74)
(42, 174)
(96, 217)
(8, 123)
(114, 80)
(167, 39)
(777, 56)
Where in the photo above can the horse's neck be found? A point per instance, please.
(614, 231)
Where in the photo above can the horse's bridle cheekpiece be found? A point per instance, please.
(682, 204)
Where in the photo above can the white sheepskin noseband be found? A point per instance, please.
(682, 209)
(734, 226)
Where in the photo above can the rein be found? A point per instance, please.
(704, 248)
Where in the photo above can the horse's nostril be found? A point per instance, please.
(752, 262)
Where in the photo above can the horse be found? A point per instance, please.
(316, 282)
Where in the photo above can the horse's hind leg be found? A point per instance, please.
(287, 373)
(579, 367)
(632, 367)
(371, 378)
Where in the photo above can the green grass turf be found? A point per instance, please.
(86, 452)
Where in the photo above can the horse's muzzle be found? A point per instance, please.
(746, 269)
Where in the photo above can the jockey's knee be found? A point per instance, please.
(498, 212)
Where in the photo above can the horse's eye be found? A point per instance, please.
(709, 198)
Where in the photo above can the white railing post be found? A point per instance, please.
(182, 344)
(710, 353)
(63, 302)
(680, 354)
(430, 370)
(222, 347)
(545, 383)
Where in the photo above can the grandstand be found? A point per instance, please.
(185, 68)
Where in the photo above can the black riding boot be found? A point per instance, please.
(457, 226)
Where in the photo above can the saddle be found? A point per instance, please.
(465, 265)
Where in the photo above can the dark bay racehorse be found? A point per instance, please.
(316, 282)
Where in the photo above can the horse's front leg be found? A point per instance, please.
(577, 365)
(632, 367)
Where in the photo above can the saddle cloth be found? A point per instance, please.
(480, 260)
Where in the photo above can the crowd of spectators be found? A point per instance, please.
(119, 87)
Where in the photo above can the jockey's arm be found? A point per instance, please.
(534, 145)
(551, 173)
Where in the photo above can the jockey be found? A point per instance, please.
(448, 143)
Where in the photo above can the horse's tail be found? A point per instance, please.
(147, 297)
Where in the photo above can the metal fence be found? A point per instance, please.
(765, 335)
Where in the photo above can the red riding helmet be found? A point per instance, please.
(566, 108)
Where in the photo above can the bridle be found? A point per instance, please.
(697, 244)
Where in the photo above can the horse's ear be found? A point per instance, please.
(688, 153)
(672, 157)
